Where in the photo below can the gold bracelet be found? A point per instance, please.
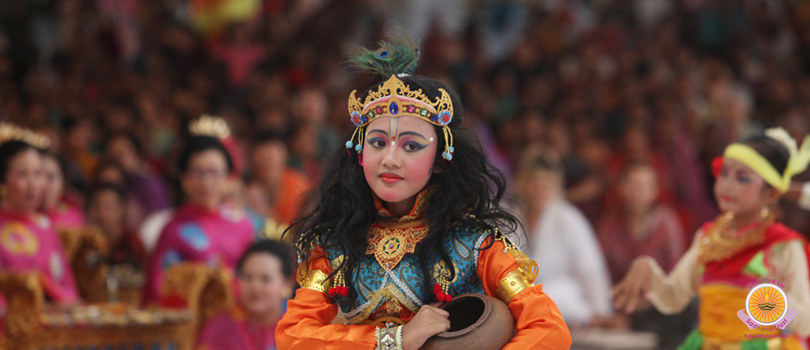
(388, 338)
(511, 285)
(316, 280)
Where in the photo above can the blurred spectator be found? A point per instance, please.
(202, 229)
(106, 210)
(562, 242)
(264, 275)
(32, 244)
(275, 191)
(640, 224)
(145, 187)
(63, 211)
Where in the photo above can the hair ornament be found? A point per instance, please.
(210, 125)
(781, 135)
(11, 132)
(797, 163)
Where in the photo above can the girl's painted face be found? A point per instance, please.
(24, 182)
(398, 157)
(204, 181)
(261, 283)
(739, 189)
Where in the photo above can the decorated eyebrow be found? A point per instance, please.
(405, 133)
(378, 130)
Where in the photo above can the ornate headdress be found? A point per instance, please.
(216, 127)
(209, 125)
(799, 159)
(393, 98)
(11, 132)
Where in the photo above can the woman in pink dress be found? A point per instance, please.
(63, 212)
(264, 273)
(28, 241)
(203, 229)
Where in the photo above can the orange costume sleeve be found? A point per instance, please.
(538, 322)
(307, 322)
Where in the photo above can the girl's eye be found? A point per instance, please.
(376, 142)
(413, 146)
(723, 172)
(744, 179)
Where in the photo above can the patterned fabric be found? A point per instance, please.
(66, 215)
(194, 234)
(402, 285)
(29, 243)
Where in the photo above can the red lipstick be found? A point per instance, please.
(390, 177)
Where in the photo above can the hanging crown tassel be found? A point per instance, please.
(339, 288)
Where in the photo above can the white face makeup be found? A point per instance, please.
(398, 157)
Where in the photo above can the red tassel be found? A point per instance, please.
(447, 298)
(344, 291)
(437, 288)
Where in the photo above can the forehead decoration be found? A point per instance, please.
(395, 99)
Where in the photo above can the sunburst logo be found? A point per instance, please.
(766, 305)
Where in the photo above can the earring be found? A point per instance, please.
(360, 158)
(765, 212)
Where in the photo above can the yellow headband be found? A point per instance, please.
(752, 159)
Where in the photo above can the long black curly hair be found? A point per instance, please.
(468, 193)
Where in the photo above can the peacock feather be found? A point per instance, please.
(398, 54)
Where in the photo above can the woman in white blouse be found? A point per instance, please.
(562, 242)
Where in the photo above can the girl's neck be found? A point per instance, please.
(742, 220)
(16, 210)
(400, 209)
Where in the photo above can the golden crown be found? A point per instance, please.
(209, 125)
(395, 99)
(11, 132)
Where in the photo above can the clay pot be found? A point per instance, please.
(477, 321)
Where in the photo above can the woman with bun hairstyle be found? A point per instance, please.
(28, 241)
(731, 256)
(406, 216)
(204, 228)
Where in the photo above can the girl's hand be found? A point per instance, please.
(427, 322)
(629, 293)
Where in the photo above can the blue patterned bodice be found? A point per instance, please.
(404, 283)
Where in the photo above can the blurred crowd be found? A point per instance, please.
(603, 115)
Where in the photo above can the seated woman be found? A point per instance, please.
(264, 273)
(28, 241)
(106, 210)
(203, 229)
(63, 212)
(562, 241)
(640, 224)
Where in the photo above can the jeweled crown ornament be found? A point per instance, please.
(11, 132)
(394, 98)
(209, 125)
